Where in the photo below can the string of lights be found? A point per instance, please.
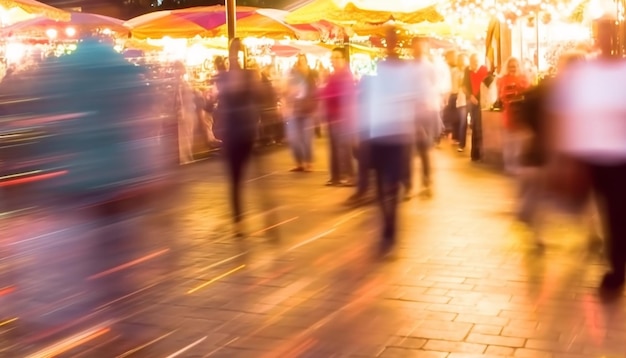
(509, 11)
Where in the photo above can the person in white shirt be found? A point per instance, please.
(589, 104)
(389, 107)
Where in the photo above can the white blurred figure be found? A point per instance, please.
(390, 106)
(590, 107)
(433, 85)
(187, 115)
(301, 100)
(536, 162)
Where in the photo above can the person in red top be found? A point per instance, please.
(474, 76)
(338, 98)
(510, 87)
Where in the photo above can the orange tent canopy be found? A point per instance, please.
(36, 8)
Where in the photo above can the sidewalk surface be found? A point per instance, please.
(466, 280)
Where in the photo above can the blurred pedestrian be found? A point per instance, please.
(428, 121)
(338, 98)
(450, 112)
(92, 104)
(474, 76)
(273, 127)
(362, 145)
(461, 100)
(188, 114)
(511, 86)
(239, 102)
(589, 107)
(537, 160)
(301, 99)
(391, 109)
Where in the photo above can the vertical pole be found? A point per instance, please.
(537, 40)
(520, 32)
(231, 18)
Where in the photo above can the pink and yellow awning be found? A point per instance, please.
(33, 7)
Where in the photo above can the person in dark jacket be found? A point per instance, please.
(239, 102)
(531, 114)
(272, 128)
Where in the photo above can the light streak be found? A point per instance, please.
(196, 289)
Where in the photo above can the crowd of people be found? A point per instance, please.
(377, 124)
(550, 146)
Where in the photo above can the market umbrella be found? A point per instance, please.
(292, 49)
(183, 23)
(325, 30)
(285, 50)
(140, 45)
(361, 11)
(269, 23)
(360, 49)
(35, 8)
(77, 20)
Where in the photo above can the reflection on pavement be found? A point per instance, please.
(175, 283)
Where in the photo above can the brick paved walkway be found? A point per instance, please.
(466, 281)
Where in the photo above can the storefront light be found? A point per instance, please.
(107, 32)
(70, 32)
(51, 33)
(196, 55)
(5, 17)
(15, 52)
(601, 8)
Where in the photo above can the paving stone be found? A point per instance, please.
(481, 319)
(532, 353)
(496, 340)
(500, 351)
(407, 342)
(473, 355)
(465, 282)
(487, 329)
(450, 347)
(411, 353)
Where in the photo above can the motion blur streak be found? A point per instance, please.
(314, 238)
(220, 262)
(349, 217)
(146, 345)
(6, 290)
(70, 343)
(90, 352)
(275, 226)
(129, 264)
(292, 348)
(301, 349)
(9, 321)
(215, 279)
(34, 338)
(177, 353)
(32, 179)
(127, 296)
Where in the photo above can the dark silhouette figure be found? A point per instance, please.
(239, 107)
